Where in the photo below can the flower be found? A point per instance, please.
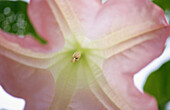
(93, 51)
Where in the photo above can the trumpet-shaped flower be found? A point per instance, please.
(93, 51)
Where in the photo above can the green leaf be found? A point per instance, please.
(165, 5)
(158, 85)
(14, 19)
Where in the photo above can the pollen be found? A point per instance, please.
(76, 56)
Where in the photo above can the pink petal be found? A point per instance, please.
(84, 99)
(87, 11)
(69, 18)
(45, 23)
(97, 20)
(29, 51)
(46, 26)
(116, 15)
(34, 85)
(119, 70)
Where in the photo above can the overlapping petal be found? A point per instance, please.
(129, 33)
(27, 50)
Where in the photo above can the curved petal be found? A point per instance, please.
(131, 17)
(119, 70)
(47, 27)
(101, 90)
(34, 85)
(28, 48)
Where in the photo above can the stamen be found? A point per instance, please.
(76, 56)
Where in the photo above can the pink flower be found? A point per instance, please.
(93, 51)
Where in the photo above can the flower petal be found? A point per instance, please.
(163, 33)
(67, 18)
(34, 85)
(106, 95)
(84, 99)
(119, 70)
(66, 83)
(46, 25)
(41, 62)
(27, 50)
(70, 81)
(122, 35)
(132, 17)
(87, 11)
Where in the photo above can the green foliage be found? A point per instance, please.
(158, 85)
(165, 5)
(14, 19)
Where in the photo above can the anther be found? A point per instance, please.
(76, 56)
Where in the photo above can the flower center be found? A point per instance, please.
(76, 56)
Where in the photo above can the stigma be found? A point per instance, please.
(76, 56)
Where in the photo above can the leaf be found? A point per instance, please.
(165, 5)
(14, 19)
(158, 85)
